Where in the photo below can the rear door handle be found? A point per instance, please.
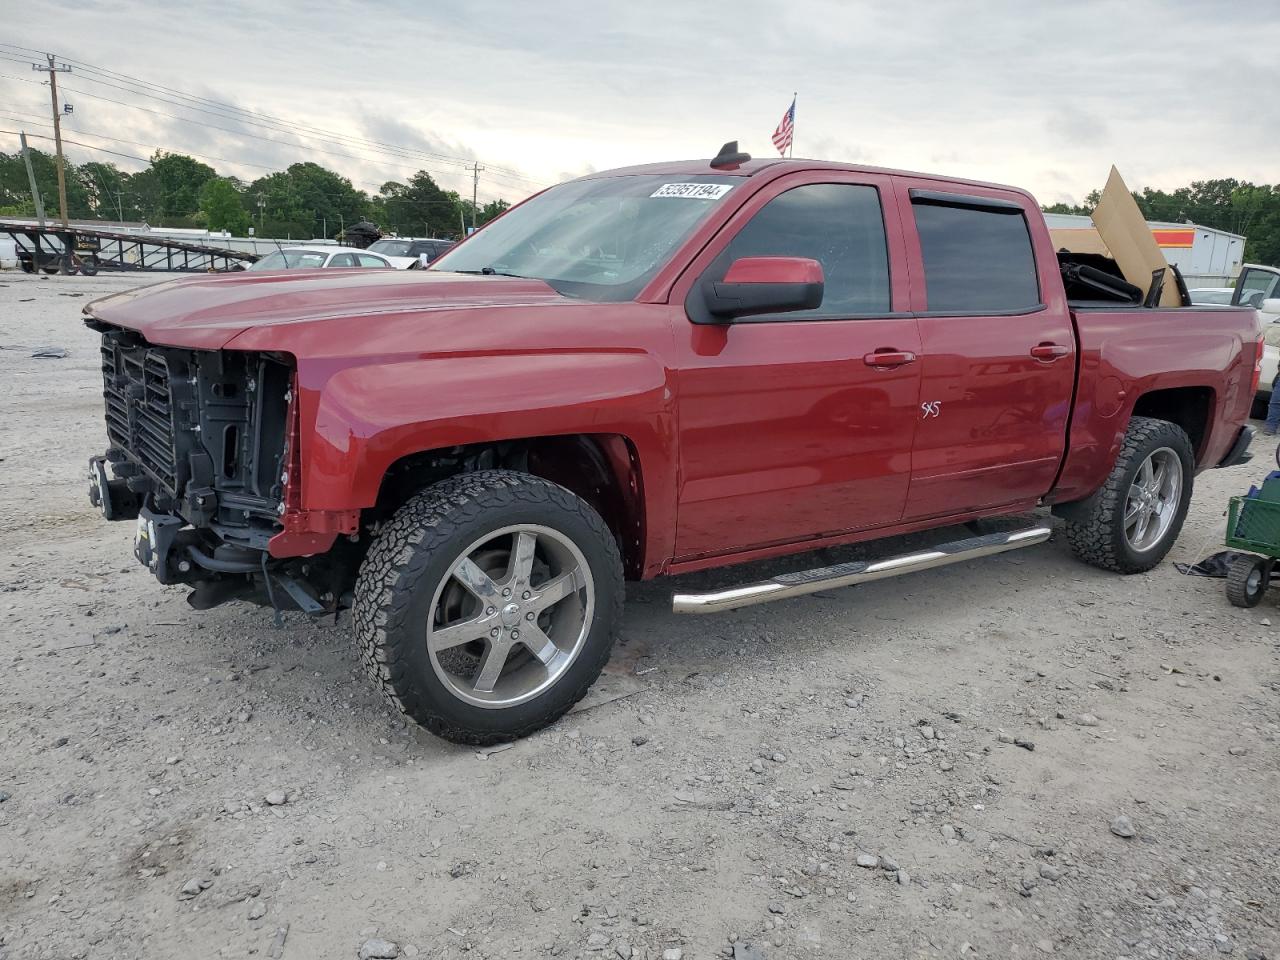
(1049, 351)
(885, 358)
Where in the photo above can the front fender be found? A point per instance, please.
(358, 421)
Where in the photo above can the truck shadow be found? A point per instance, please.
(652, 635)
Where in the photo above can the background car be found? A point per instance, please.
(410, 253)
(1257, 287)
(311, 257)
(1212, 295)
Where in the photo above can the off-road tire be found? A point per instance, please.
(415, 550)
(1239, 571)
(1096, 531)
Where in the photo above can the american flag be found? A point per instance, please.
(786, 129)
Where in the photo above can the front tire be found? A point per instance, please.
(1131, 523)
(489, 605)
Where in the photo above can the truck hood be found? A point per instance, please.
(207, 312)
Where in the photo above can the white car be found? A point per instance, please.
(410, 253)
(1212, 295)
(297, 257)
(1258, 287)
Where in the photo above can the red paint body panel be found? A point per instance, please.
(785, 433)
(739, 441)
(774, 270)
(1000, 431)
(1124, 355)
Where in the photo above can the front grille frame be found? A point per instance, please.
(199, 434)
(143, 406)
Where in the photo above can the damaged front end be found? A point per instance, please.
(201, 442)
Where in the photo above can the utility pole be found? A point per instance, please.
(475, 189)
(120, 207)
(35, 191)
(53, 69)
(262, 206)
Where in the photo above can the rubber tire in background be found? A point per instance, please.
(415, 551)
(1239, 571)
(1097, 537)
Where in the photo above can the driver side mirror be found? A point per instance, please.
(757, 285)
(1270, 305)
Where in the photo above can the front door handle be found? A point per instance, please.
(1049, 351)
(885, 358)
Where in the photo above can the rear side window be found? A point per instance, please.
(837, 224)
(977, 259)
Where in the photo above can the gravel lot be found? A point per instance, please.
(927, 767)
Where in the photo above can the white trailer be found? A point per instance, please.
(1206, 257)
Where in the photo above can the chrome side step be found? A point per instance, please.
(788, 585)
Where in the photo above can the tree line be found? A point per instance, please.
(307, 200)
(1252, 210)
(304, 201)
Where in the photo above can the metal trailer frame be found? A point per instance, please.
(68, 250)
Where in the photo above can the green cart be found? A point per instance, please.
(1253, 525)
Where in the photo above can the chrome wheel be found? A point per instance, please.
(510, 616)
(1152, 503)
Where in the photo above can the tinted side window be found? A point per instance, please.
(837, 224)
(976, 259)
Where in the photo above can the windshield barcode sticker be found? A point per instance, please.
(693, 191)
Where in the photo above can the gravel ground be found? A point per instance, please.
(1016, 757)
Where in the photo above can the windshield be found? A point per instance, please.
(392, 248)
(290, 260)
(594, 239)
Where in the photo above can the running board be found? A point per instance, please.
(788, 585)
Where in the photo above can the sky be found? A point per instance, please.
(1046, 96)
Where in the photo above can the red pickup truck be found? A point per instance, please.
(650, 371)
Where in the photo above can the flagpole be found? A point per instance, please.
(791, 147)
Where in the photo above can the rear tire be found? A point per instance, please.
(1108, 530)
(489, 605)
(1247, 580)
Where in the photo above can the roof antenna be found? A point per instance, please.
(729, 157)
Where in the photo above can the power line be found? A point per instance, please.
(269, 122)
(150, 146)
(210, 126)
(239, 133)
(327, 196)
(291, 123)
(90, 146)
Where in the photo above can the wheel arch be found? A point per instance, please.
(1190, 407)
(604, 469)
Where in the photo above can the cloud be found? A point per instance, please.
(1044, 96)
